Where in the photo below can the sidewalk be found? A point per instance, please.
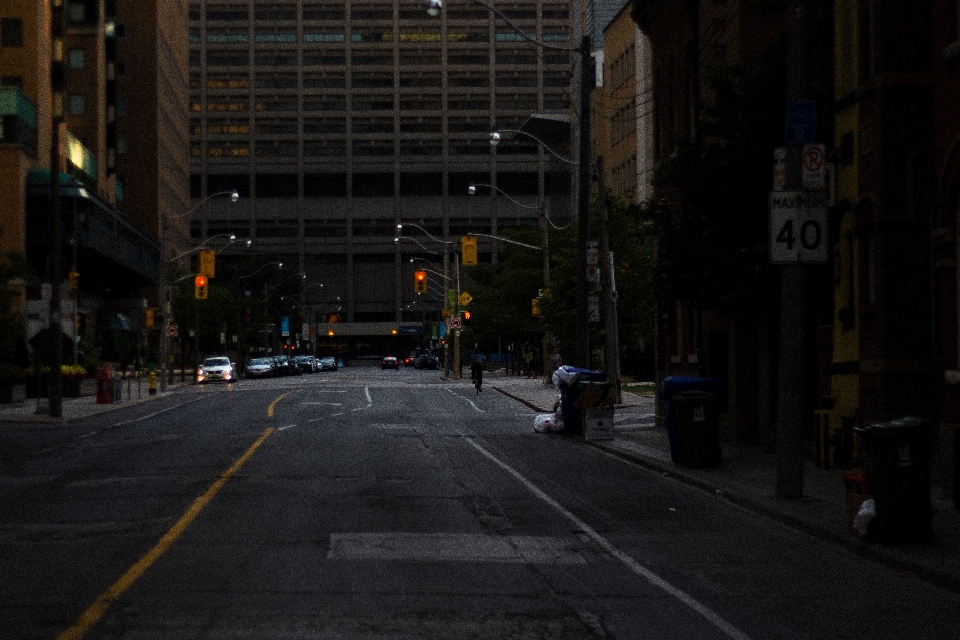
(746, 477)
(77, 408)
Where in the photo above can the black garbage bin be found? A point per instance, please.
(698, 419)
(898, 472)
(569, 392)
(672, 385)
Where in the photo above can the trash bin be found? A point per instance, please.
(698, 415)
(673, 385)
(898, 472)
(572, 381)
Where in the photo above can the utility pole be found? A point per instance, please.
(582, 325)
(57, 94)
(793, 311)
(612, 358)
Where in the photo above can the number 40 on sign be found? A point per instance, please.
(798, 227)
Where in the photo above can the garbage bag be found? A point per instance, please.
(867, 512)
(544, 423)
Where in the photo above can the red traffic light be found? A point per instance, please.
(201, 281)
(421, 275)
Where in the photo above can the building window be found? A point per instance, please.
(78, 104)
(78, 58)
(12, 81)
(11, 32)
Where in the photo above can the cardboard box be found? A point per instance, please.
(598, 424)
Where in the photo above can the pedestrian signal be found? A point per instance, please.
(466, 317)
(420, 282)
(200, 288)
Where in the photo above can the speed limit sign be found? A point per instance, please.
(798, 227)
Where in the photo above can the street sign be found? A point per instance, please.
(779, 168)
(465, 299)
(593, 273)
(814, 167)
(801, 122)
(454, 322)
(593, 309)
(798, 227)
(593, 252)
(172, 330)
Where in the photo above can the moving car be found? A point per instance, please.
(390, 362)
(217, 368)
(410, 360)
(328, 364)
(262, 368)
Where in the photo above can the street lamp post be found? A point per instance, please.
(164, 261)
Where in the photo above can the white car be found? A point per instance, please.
(219, 368)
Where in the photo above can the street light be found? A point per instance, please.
(164, 304)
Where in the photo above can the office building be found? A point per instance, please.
(337, 121)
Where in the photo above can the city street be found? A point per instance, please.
(365, 504)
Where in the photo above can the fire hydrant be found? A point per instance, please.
(152, 386)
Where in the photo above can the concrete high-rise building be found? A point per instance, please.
(336, 121)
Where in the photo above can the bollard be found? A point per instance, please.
(153, 383)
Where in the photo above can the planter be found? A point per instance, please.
(12, 392)
(71, 387)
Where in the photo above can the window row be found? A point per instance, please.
(334, 185)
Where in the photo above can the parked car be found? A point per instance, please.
(390, 362)
(307, 364)
(426, 361)
(262, 368)
(217, 368)
(328, 364)
(284, 366)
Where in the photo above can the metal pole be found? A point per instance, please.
(457, 375)
(789, 441)
(611, 356)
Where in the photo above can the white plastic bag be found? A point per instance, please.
(567, 375)
(867, 512)
(544, 423)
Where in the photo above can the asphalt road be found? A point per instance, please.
(370, 504)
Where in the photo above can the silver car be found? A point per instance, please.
(218, 368)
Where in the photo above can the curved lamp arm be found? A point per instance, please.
(434, 7)
(507, 240)
(429, 235)
(203, 245)
(472, 189)
(234, 197)
(495, 139)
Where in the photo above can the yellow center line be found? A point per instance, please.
(274, 403)
(99, 607)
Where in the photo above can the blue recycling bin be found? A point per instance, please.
(673, 385)
(572, 421)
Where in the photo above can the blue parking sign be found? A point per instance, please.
(801, 122)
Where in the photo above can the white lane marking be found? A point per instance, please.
(337, 414)
(286, 427)
(156, 413)
(329, 404)
(469, 401)
(314, 420)
(453, 547)
(728, 629)
(366, 390)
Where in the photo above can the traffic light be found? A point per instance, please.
(72, 278)
(200, 288)
(466, 317)
(468, 250)
(420, 282)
